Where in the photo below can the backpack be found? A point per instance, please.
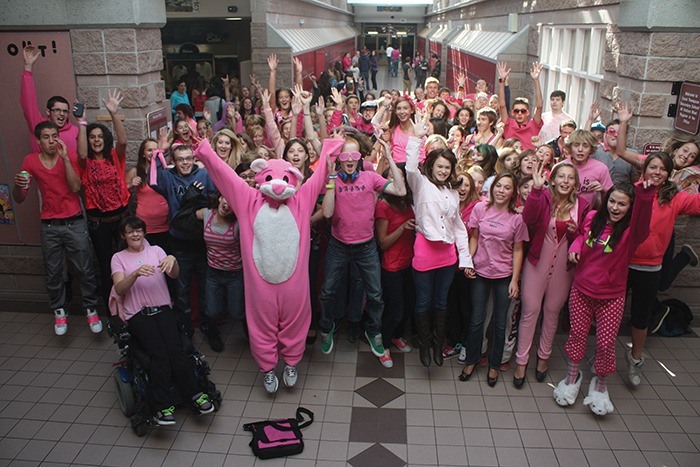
(279, 438)
(677, 321)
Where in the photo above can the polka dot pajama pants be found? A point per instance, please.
(608, 315)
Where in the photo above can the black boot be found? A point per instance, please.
(439, 342)
(423, 325)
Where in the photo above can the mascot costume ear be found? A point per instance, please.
(258, 165)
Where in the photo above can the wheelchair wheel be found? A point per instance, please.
(139, 426)
(125, 395)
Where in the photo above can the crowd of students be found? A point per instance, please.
(443, 211)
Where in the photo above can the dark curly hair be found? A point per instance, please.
(108, 141)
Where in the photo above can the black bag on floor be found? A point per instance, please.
(678, 319)
(279, 438)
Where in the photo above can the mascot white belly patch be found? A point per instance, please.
(275, 243)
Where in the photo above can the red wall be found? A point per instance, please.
(474, 67)
(318, 60)
(420, 44)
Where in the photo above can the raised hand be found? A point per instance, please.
(538, 177)
(297, 105)
(62, 149)
(420, 125)
(254, 81)
(594, 112)
(624, 112)
(337, 98)
(226, 80)
(112, 104)
(320, 107)
(164, 138)
(461, 79)
(536, 141)
(503, 70)
(30, 54)
(272, 62)
(265, 96)
(536, 70)
(298, 66)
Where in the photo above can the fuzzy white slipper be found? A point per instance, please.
(598, 402)
(565, 394)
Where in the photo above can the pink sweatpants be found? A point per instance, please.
(608, 315)
(545, 288)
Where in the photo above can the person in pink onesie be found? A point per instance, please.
(275, 224)
(553, 217)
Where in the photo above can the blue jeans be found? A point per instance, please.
(191, 255)
(365, 257)
(224, 291)
(481, 288)
(432, 287)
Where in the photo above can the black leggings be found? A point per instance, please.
(160, 337)
(672, 265)
(643, 285)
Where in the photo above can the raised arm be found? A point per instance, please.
(503, 73)
(272, 62)
(593, 114)
(298, 72)
(271, 128)
(535, 75)
(82, 136)
(112, 106)
(27, 98)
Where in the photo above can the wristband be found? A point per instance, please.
(332, 176)
(82, 122)
(330, 186)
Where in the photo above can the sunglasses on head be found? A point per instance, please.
(520, 111)
(346, 156)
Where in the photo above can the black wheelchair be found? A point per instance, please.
(131, 376)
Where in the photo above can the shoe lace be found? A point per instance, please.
(290, 371)
(201, 400)
(269, 378)
(168, 412)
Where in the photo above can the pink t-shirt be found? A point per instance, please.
(592, 171)
(399, 140)
(398, 256)
(57, 199)
(147, 290)
(498, 232)
(353, 215)
(523, 133)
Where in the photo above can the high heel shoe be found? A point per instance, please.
(540, 376)
(465, 376)
(492, 381)
(519, 382)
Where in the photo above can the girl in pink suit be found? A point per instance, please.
(553, 217)
(274, 230)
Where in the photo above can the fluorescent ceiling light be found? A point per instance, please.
(372, 33)
(234, 19)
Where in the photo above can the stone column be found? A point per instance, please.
(128, 59)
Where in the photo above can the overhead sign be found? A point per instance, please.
(651, 147)
(688, 110)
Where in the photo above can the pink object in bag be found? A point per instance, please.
(279, 438)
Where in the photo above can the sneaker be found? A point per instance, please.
(484, 361)
(375, 343)
(450, 351)
(211, 332)
(202, 403)
(165, 416)
(327, 341)
(657, 319)
(566, 394)
(93, 320)
(290, 376)
(462, 359)
(505, 366)
(402, 345)
(353, 332)
(634, 369)
(690, 252)
(271, 382)
(386, 360)
(60, 326)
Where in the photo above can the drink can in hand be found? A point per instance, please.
(26, 175)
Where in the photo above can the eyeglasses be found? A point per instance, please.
(520, 111)
(346, 156)
(60, 111)
(612, 131)
(248, 176)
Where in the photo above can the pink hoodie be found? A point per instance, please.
(68, 133)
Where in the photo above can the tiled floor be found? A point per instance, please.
(58, 406)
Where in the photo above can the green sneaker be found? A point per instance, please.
(375, 343)
(327, 341)
(165, 416)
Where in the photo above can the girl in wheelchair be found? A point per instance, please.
(138, 274)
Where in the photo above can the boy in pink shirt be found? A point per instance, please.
(520, 126)
(593, 175)
(349, 202)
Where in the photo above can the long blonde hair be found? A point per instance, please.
(560, 205)
(235, 157)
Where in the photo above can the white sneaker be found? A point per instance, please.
(598, 402)
(60, 326)
(271, 382)
(93, 320)
(462, 359)
(566, 394)
(634, 369)
(290, 376)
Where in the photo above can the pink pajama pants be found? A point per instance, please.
(608, 315)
